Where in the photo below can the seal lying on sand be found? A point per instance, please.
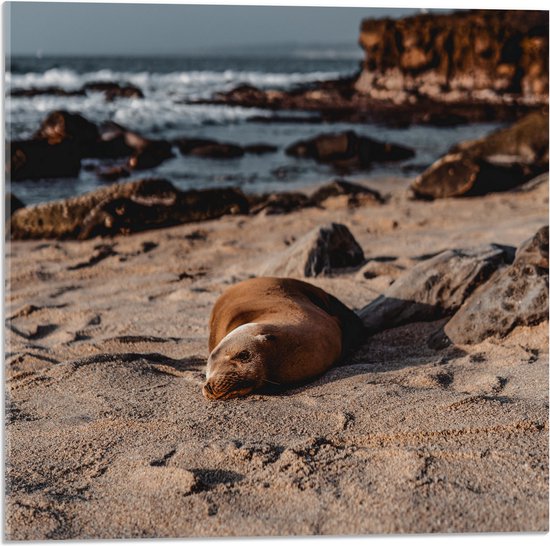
(278, 331)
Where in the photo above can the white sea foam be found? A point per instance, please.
(187, 81)
(163, 108)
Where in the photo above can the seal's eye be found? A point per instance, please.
(243, 356)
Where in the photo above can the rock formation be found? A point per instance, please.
(514, 296)
(322, 251)
(433, 289)
(124, 208)
(348, 150)
(462, 67)
(498, 162)
(64, 138)
(202, 147)
(484, 55)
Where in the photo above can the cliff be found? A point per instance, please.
(489, 56)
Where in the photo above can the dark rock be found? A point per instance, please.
(498, 162)
(209, 148)
(348, 150)
(115, 141)
(36, 159)
(284, 202)
(322, 251)
(151, 154)
(60, 126)
(39, 91)
(244, 95)
(278, 203)
(433, 289)
(219, 150)
(356, 193)
(125, 215)
(124, 208)
(114, 91)
(11, 204)
(514, 296)
(524, 142)
(285, 119)
(260, 149)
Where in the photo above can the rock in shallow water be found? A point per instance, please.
(348, 150)
(37, 159)
(514, 296)
(434, 288)
(498, 162)
(322, 251)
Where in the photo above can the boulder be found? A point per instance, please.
(124, 208)
(125, 215)
(278, 203)
(114, 90)
(514, 296)
(322, 251)
(209, 148)
(260, 148)
(60, 126)
(37, 159)
(434, 288)
(524, 142)
(151, 154)
(500, 161)
(348, 150)
(356, 194)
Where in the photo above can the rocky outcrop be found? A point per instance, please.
(124, 208)
(514, 296)
(498, 162)
(202, 147)
(64, 138)
(113, 90)
(36, 159)
(485, 55)
(355, 195)
(434, 288)
(278, 203)
(429, 69)
(338, 193)
(348, 150)
(61, 126)
(322, 251)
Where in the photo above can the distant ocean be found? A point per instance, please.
(169, 82)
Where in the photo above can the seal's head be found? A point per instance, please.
(238, 365)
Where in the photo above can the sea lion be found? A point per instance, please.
(279, 331)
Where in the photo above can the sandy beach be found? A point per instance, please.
(109, 436)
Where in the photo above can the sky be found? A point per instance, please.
(108, 29)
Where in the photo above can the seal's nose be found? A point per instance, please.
(207, 390)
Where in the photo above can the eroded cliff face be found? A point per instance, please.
(490, 56)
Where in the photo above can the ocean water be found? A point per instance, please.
(169, 83)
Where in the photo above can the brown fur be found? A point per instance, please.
(291, 331)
